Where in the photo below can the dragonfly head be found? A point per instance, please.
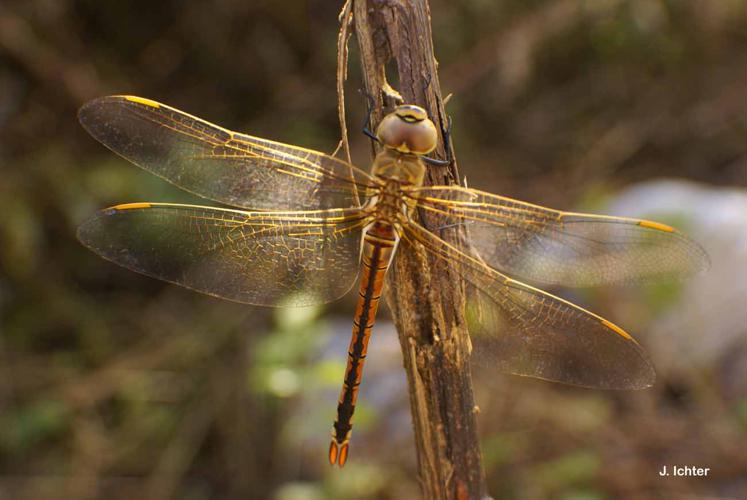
(408, 130)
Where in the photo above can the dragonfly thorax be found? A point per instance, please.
(403, 169)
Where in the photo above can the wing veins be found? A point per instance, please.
(233, 141)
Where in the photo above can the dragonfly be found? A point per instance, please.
(298, 226)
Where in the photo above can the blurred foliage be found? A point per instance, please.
(113, 385)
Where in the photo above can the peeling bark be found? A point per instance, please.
(425, 294)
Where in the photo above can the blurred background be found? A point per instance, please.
(114, 385)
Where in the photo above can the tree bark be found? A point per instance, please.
(425, 295)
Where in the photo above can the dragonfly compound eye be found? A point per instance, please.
(407, 129)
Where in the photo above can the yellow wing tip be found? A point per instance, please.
(142, 100)
(617, 329)
(130, 206)
(656, 225)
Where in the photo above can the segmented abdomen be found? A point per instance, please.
(379, 244)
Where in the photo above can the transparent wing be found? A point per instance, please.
(547, 246)
(262, 258)
(218, 164)
(519, 329)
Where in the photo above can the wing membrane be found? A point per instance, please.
(219, 164)
(261, 258)
(522, 330)
(552, 247)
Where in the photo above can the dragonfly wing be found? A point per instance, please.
(219, 164)
(552, 247)
(261, 258)
(522, 330)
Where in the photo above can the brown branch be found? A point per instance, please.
(346, 20)
(426, 301)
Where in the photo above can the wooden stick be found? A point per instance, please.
(425, 295)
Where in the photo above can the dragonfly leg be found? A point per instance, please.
(447, 149)
(367, 122)
(435, 161)
(447, 139)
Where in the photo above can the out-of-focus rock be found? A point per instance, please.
(708, 322)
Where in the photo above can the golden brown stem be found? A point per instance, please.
(432, 329)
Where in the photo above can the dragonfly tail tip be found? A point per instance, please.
(338, 453)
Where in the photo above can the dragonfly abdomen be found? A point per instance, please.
(379, 244)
